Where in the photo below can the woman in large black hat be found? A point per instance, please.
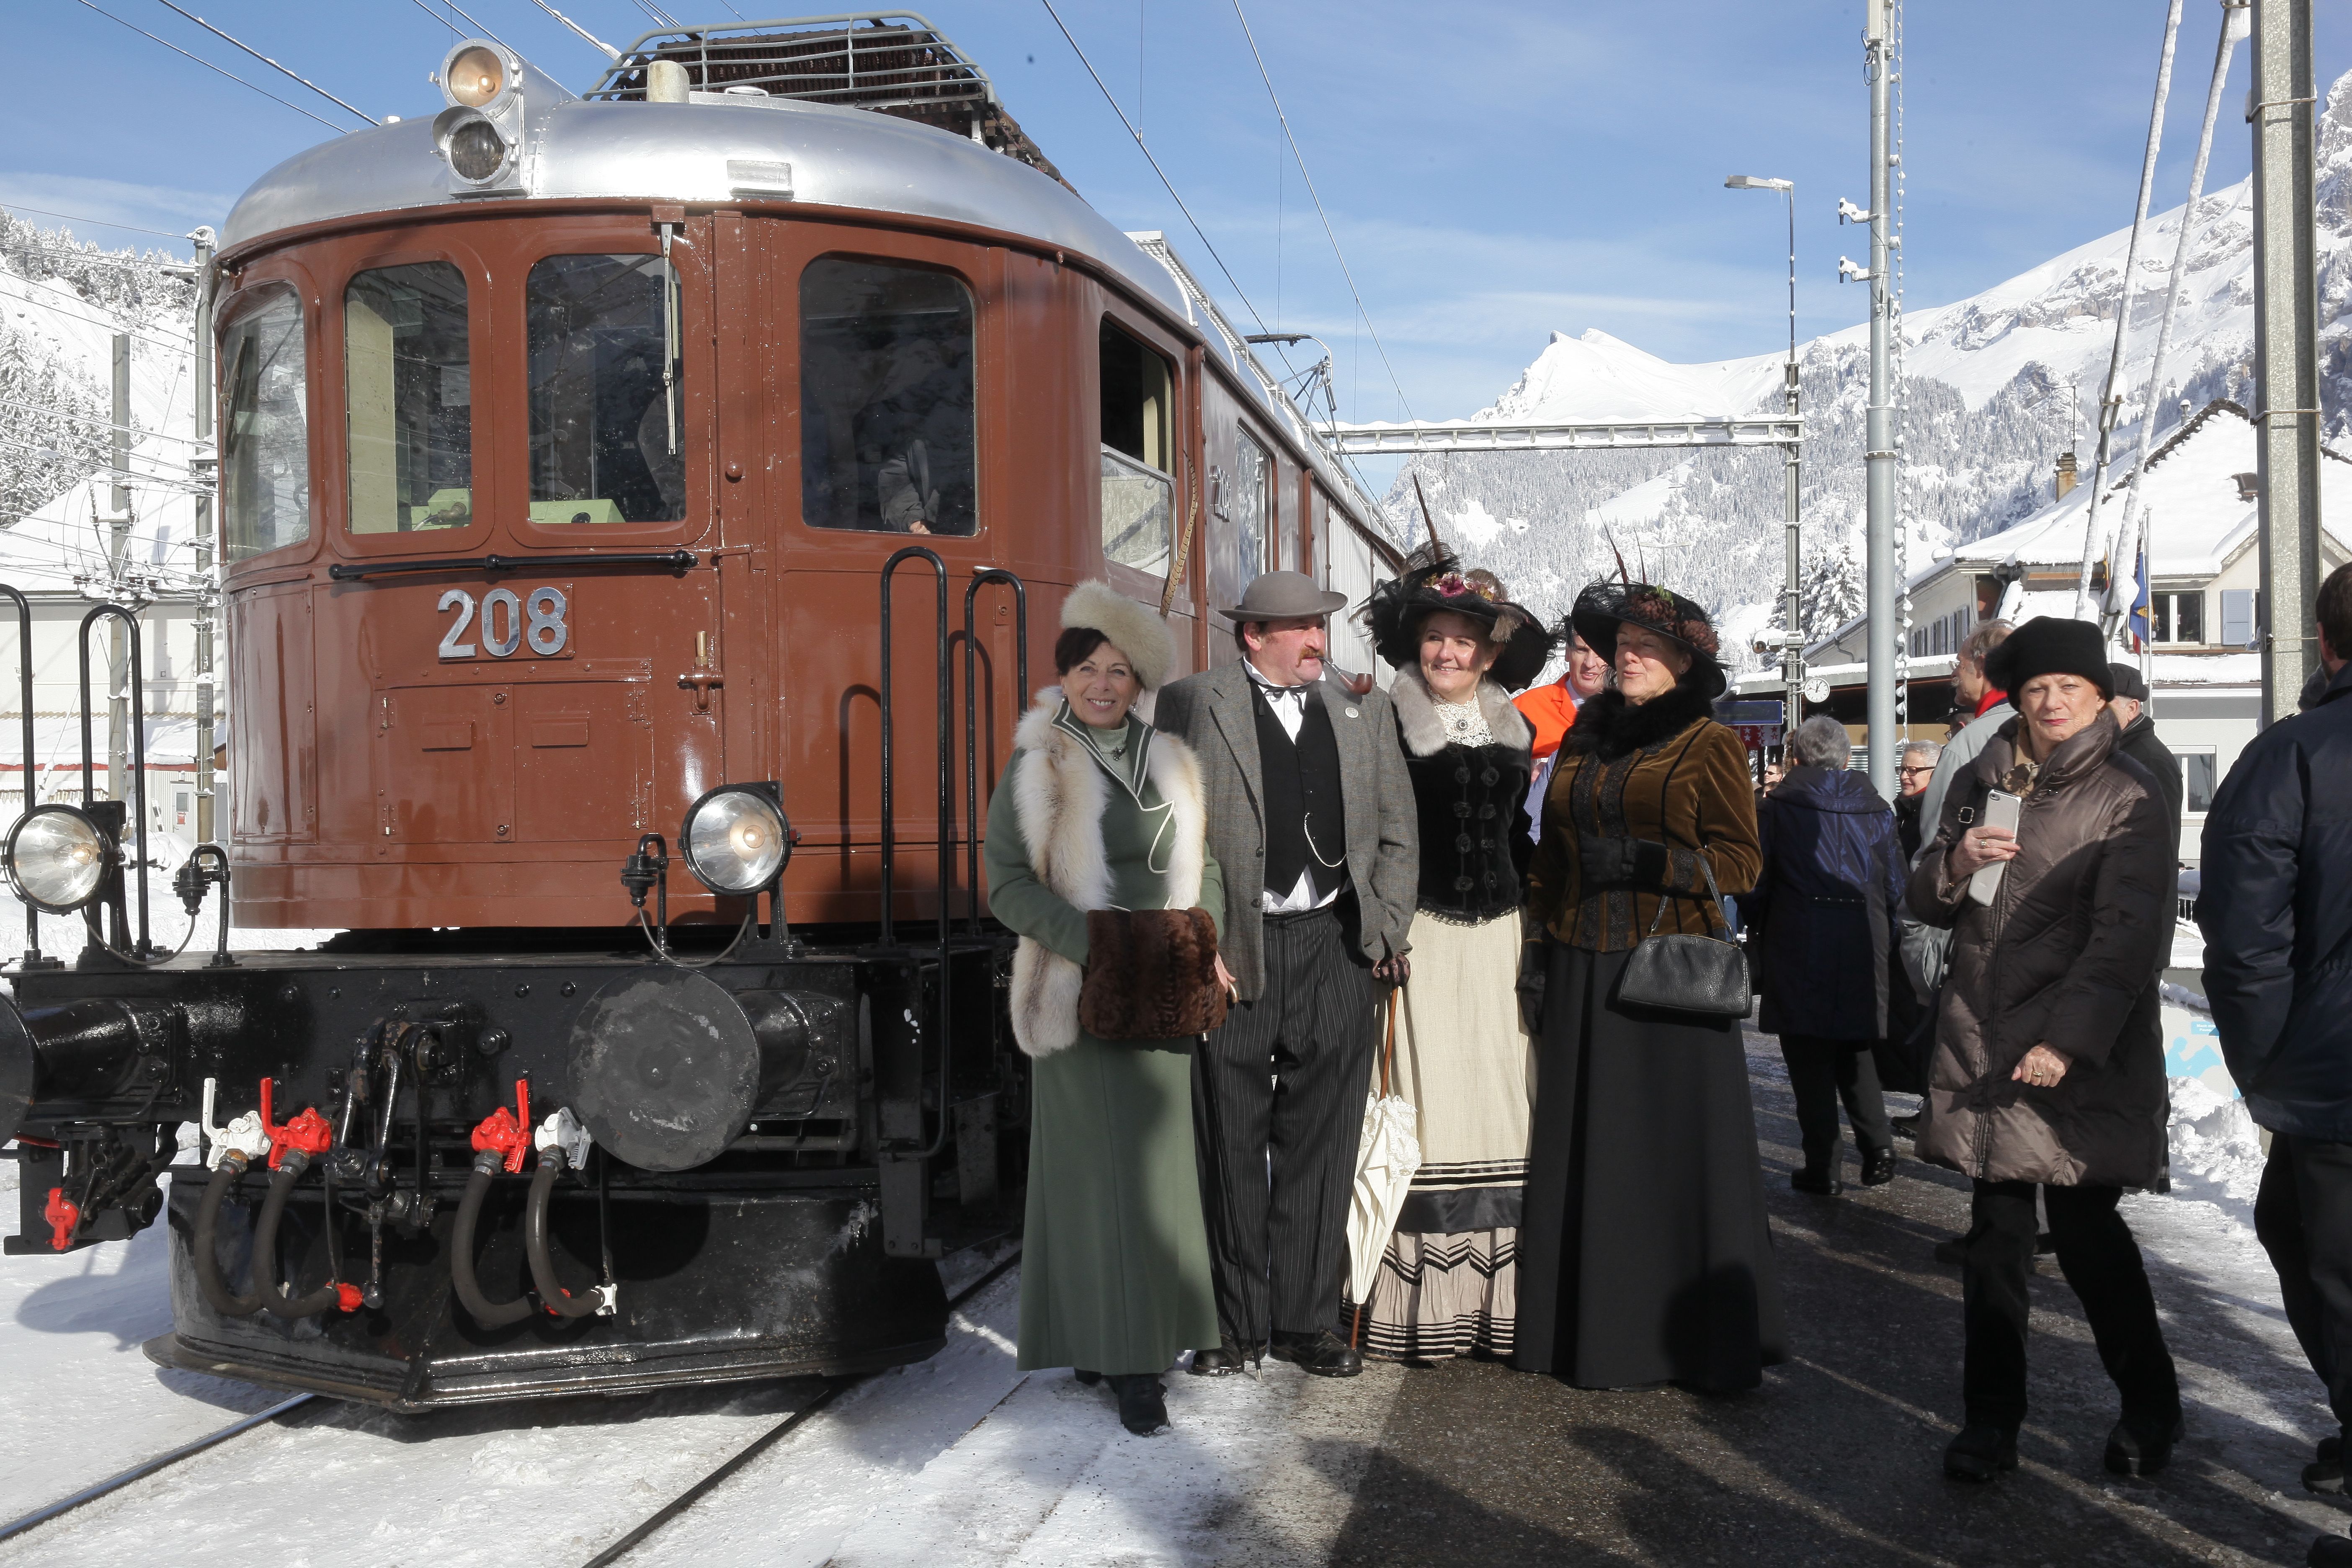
(1644, 1253)
(1447, 1282)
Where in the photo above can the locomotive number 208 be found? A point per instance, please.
(509, 621)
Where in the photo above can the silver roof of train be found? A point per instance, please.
(675, 153)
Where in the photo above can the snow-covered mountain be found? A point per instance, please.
(1996, 386)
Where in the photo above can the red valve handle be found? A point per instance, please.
(508, 1132)
(347, 1297)
(310, 1133)
(63, 1213)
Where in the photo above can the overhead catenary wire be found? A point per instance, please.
(96, 222)
(1329, 232)
(209, 65)
(590, 39)
(470, 21)
(135, 433)
(273, 65)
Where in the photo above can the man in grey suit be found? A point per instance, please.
(1311, 815)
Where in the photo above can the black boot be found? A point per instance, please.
(1143, 1402)
(2325, 1471)
(2136, 1447)
(1821, 1181)
(1877, 1167)
(2329, 1551)
(1088, 1378)
(1980, 1453)
(1325, 1354)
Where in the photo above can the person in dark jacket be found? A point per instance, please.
(2140, 743)
(1913, 769)
(1823, 913)
(2278, 924)
(2049, 1064)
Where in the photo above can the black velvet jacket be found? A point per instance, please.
(1471, 802)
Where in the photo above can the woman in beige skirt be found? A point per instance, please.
(1447, 1284)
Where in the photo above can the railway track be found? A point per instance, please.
(306, 1403)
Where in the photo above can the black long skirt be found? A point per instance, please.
(1645, 1254)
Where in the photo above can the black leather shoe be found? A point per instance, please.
(1143, 1402)
(1821, 1183)
(1905, 1126)
(1954, 1252)
(1324, 1354)
(1981, 1453)
(2135, 1449)
(1877, 1167)
(2325, 1471)
(1088, 1378)
(1221, 1360)
(2329, 1551)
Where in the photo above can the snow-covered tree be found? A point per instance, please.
(1831, 590)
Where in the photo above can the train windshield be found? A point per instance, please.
(264, 429)
(607, 440)
(410, 390)
(887, 433)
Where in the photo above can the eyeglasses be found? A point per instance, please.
(1913, 772)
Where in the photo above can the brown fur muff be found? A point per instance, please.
(1152, 974)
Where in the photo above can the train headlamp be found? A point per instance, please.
(476, 150)
(58, 857)
(736, 839)
(474, 76)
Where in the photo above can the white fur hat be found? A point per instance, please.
(1135, 631)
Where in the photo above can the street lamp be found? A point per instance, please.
(1792, 650)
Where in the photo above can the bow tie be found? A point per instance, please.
(1273, 691)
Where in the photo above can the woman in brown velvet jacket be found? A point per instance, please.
(1644, 1252)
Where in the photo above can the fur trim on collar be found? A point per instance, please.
(1609, 727)
(1424, 732)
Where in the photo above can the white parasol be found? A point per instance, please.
(1385, 1162)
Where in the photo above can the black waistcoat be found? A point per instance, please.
(1303, 812)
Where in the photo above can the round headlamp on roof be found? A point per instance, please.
(736, 840)
(58, 858)
(477, 74)
(472, 145)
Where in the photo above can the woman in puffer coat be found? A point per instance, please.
(2049, 1068)
(1824, 912)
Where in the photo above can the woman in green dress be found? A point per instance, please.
(1098, 810)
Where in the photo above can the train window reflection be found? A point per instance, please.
(606, 443)
(1137, 492)
(1252, 470)
(887, 434)
(409, 385)
(264, 428)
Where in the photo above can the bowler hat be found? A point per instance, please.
(2050, 645)
(1280, 596)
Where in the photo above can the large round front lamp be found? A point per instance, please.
(58, 858)
(736, 839)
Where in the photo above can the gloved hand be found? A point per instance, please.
(1534, 970)
(1620, 862)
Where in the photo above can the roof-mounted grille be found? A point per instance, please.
(893, 62)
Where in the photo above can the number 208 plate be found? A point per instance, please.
(506, 623)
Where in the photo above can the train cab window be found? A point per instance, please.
(1138, 495)
(606, 444)
(888, 435)
(409, 385)
(264, 428)
(1253, 473)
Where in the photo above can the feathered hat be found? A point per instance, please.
(1603, 606)
(1434, 580)
(1135, 631)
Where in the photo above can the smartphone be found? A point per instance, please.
(2000, 811)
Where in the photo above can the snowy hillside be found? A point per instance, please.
(1997, 386)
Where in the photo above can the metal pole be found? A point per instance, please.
(118, 660)
(2286, 358)
(207, 594)
(1792, 657)
(1885, 593)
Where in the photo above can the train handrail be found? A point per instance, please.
(138, 673)
(946, 811)
(971, 720)
(25, 701)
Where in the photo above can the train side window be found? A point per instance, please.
(264, 428)
(1138, 495)
(887, 433)
(1252, 471)
(408, 383)
(606, 444)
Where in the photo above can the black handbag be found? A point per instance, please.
(1699, 977)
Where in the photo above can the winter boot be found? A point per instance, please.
(1143, 1402)
(1981, 1453)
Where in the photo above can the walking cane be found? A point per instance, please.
(1388, 1062)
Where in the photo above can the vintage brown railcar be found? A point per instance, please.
(714, 449)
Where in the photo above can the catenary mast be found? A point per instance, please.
(2286, 357)
(1885, 593)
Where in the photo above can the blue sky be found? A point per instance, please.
(1492, 175)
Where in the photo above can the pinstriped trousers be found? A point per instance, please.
(1278, 1109)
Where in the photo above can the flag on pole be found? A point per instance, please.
(2138, 619)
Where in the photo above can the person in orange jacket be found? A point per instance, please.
(1551, 707)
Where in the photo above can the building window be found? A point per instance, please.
(1137, 492)
(2176, 617)
(2237, 617)
(606, 443)
(2198, 781)
(265, 430)
(409, 386)
(1247, 499)
(888, 434)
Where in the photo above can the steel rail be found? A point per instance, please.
(145, 1467)
(773, 1435)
